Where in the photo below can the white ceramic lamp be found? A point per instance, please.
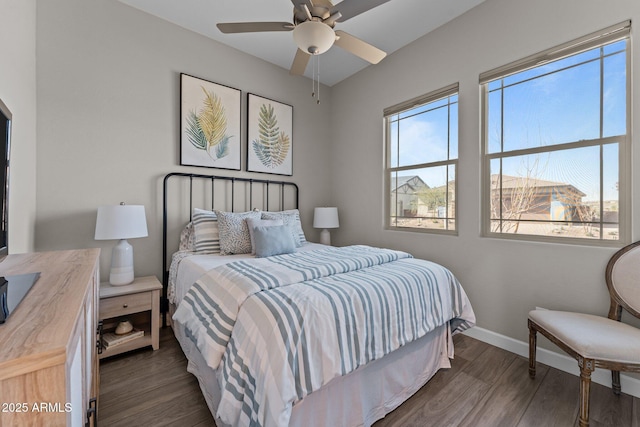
(121, 222)
(325, 218)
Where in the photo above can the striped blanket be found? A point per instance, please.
(281, 327)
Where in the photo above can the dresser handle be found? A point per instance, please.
(99, 342)
(91, 412)
(125, 305)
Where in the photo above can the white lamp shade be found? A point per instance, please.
(121, 222)
(314, 37)
(325, 218)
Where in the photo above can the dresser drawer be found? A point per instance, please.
(125, 304)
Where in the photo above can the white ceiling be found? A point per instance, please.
(389, 27)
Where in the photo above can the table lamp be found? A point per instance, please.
(325, 218)
(121, 222)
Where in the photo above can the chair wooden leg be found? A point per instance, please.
(615, 382)
(586, 367)
(532, 351)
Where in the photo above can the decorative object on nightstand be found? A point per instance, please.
(121, 222)
(124, 327)
(135, 307)
(325, 218)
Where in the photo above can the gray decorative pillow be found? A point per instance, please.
(273, 240)
(207, 235)
(234, 231)
(187, 238)
(292, 219)
(253, 223)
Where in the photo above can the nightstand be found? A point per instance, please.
(139, 302)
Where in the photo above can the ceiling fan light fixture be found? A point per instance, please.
(314, 37)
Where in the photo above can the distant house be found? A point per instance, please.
(526, 198)
(532, 198)
(404, 194)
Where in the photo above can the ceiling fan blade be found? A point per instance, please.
(323, 3)
(299, 63)
(351, 8)
(254, 27)
(359, 48)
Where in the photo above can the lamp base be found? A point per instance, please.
(325, 237)
(121, 272)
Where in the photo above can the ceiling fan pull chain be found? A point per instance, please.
(313, 76)
(318, 74)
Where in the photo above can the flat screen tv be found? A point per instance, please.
(5, 149)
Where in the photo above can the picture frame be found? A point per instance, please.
(269, 136)
(210, 124)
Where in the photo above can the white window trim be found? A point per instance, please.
(610, 34)
(435, 95)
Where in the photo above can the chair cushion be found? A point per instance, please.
(593, 337)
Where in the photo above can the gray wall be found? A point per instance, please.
(108, 94)
(18, 92)
(504, 279)
(108, 119)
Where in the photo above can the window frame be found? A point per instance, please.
(445, 92)
(608, 35)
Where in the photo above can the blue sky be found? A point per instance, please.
(424, 132)
(556, 103)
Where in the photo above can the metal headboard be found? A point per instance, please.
(182, 192)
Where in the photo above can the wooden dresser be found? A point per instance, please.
(48, 355)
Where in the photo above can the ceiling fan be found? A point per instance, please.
(313, 30)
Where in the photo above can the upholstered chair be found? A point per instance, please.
(594, 341)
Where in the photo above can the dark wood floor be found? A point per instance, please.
(486, 386)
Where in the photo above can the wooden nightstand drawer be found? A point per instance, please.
(125, 304)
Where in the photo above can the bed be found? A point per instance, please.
(308, 335)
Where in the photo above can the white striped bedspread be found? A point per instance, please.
(283, 326)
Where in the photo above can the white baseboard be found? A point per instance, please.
(630, 385)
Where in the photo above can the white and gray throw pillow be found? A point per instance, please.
(207, 235)
(234, 231)
(290, 218)
(187, 238)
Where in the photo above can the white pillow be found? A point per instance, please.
(252, 223)
(234, 231)
(291, 218)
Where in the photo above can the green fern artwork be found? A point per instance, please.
(272, 145)
(207, 128)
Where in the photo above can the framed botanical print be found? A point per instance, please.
(269, 136)
(209, 124)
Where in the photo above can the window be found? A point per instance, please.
(421, 161)
(556, 143)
